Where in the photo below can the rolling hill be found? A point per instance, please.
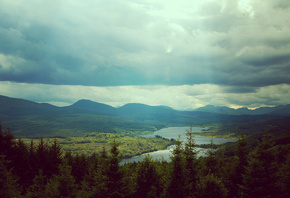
(281, 110)
(29, 118)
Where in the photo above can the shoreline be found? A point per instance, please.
(213, 135)
(161, 153)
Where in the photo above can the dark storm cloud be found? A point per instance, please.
(133, 43)
(240, 89)
(56, 53)
(280, 60)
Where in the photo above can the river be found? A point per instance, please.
(174, 133)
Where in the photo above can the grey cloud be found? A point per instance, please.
(283, 60)
(239, 89)
(120, 43)
(263, 96)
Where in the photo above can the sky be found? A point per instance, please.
(183, 54)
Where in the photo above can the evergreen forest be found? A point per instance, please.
(45, 170)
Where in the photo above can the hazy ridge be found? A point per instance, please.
(29, 118)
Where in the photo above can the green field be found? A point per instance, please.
(94, 142)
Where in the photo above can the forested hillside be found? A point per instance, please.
(253, 129)
(44, 170)
(31, 119)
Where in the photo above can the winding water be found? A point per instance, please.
(174, 133)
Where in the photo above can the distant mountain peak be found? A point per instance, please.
(86, 104)
(244, 108)
(281, 109)
(165, 107)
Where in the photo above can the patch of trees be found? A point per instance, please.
(158, 136)
(129, 145)
(279, 126)
(43, 170)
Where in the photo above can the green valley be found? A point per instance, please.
(129, 146)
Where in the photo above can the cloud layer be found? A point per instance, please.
(240, 46)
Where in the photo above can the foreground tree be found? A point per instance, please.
(21, 163)
(63, 184)
(242, 163)
(176, 187)
(242, 154)
(148, 183)
(260, 175)
(8, 182)
(41, 156)
(115, 176)
(190, 163)
(283, 183)
(211, 186)
(236, 168)
(55, 157)
(7, 143)
(37, 189)
(79, 167)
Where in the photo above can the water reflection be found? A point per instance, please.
(173, 133)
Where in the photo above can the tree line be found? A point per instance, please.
(43, 170)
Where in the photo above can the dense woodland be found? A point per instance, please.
(43, 170)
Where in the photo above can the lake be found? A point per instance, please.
(173, 133)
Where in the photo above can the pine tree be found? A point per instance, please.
(176, 187)
(32, 161)
(90, 177)
(41, 155)
(115, 177)
(7, 142)
(148, 183)
(37, 189)
(211, 186)
(242, 153)
(236, 168)
(69, 157)
(79, 167)
(91, 180)
(8, 181)
(260, 175)
(20, 163)
(54, 158)
(213, 163)
(190, 160)
(283, 183)
(130, 179)
(102, 176)
(63, 184)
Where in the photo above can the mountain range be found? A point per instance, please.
(133, 108)
(27, 118)
(282, 110)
